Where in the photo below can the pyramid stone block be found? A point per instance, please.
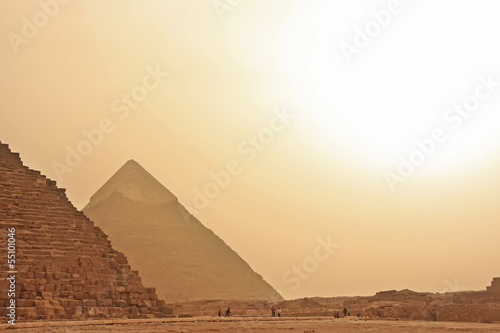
(65, 266)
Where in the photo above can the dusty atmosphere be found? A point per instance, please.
(249, 166)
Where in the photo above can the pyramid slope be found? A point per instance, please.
(174, 252)
(133, 182)
(66, 267)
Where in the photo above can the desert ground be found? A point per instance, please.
(254, 325)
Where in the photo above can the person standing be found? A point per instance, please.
(228, 312)
(345, 312)
(279, 312)
(219, 314)
(348, 311)
(273, 312)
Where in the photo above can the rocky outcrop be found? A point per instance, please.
(469, 306)
(493, 291)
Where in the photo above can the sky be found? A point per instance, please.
(340, 147)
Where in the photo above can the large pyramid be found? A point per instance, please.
(61, 265)
(173, 251)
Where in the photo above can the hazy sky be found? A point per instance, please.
(369, 125)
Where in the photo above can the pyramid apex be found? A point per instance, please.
(131, 161)
(133, 182)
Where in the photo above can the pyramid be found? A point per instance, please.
(183, 259)
(65, 267)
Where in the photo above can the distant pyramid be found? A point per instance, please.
(65, 267)
(173, 251)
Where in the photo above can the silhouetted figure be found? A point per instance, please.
(273, 312)
(219, 314)
(228, 312)
(349, 311)
(345, 312)
(279, 312)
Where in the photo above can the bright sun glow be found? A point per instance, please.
(384, 98)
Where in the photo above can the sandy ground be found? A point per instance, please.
(254, 325)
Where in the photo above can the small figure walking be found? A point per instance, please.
(219, 314)
(279, 312)
(273, 312)
(345, 312)
(228, 312)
